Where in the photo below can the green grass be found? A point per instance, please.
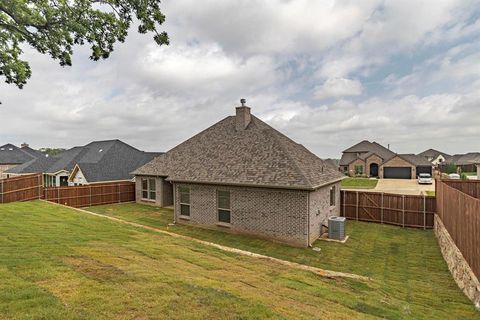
(470, 173)
(406, 264)
(359, 183)
(57, 263)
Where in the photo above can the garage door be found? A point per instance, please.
(424, 170)
(397, 173)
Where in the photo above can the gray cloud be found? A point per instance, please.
(327, 74)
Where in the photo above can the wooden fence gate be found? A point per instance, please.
(402, 210)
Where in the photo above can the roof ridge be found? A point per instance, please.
(297, 167)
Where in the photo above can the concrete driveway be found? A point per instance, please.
(403, 186)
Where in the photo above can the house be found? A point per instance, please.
(371, 159)
(98, 161)
(243, 176)
(12, 156)
(464, 162)
(434, 156)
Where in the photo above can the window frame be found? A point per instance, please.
(148, 191)
(224, 209)
(186, 190)
(358, 169)
(333, 196)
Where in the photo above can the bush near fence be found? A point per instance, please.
(401, 210)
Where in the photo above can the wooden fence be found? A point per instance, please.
(402, 210)
(460, 214)
(21, 188)
(91, 195)
(470, 187)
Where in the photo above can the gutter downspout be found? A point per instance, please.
(174, 204)
(308, 221)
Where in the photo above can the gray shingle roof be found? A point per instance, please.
(11, 154)
(414, 159)
(433, 153)
(256, 156)
(366, 149)
(99, 161)
(464, 159)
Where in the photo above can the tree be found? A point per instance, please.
(54, 26)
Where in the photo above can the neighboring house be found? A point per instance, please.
(12, 156)
(98, 161)
(244, 176)
(364, 159)
(371, 159)
(434, 156)
(463, 162)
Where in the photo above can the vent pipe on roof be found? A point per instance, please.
(24, 145)
(242, 117)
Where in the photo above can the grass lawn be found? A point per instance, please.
(57, 263)
(470, 173)
(410, 277)
(359, 183)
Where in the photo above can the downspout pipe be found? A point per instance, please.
(174, 204)
(308, 220)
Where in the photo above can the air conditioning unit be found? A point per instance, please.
(336, 228)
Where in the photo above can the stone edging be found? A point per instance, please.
(458, 266)
(315, 270)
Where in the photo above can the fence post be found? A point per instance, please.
(118, 185)
(90, 188)
(357, 207)
(1, 191)
(381, 211)
(58, 194)
(39, 187)
(343, 211)
(424, 212)
(403, 211)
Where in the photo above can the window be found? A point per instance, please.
(149, 189)
(333, 196)
(184, 201)
(358, 170)
(223, 203)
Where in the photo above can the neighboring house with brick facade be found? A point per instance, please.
(243, 176)
(370, 159)
(12, 156)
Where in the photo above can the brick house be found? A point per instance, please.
(371, 159)
(242, 176)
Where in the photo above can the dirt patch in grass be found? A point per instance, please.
(95, 269)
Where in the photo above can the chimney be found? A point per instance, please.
(24, 145)
(243, 116)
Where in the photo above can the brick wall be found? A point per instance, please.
(164, 192)
(373, 159)
(267, 213)
(320, 209)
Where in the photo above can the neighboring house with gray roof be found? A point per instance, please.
(464, 162)
(244, 176)
(371, 159)
(96, 162)
(12, 156)
(434, 156)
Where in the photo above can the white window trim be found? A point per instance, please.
(148, 189)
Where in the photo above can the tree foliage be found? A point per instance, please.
(54, 27)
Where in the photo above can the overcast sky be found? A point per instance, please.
(326, 73)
